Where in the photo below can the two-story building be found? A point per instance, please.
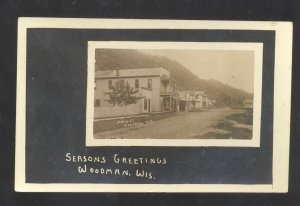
(192, 100)
(156, 90)
(248, 103)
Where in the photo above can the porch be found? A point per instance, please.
(169, 102)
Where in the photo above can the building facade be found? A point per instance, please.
(248, 103)
(155, 89)
(192, 100)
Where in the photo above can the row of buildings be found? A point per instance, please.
(156, 92)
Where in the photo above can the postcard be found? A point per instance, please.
(119, 105)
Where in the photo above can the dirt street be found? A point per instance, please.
(182, 125)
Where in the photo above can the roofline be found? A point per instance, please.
(122, 77)
(163, 66)
(193, 91)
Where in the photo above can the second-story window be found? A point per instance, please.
(137, 83)
(109, 84)
(150, 83)
(97, 103)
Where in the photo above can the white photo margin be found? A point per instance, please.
(257, 48)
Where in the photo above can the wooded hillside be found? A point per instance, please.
(107, 59)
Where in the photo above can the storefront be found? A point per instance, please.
(169, 102)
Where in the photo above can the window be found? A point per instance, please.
(137, 83)
(109, 84)
(145, 104)
(149, 83)
(97, 103)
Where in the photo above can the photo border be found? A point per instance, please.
(257, 48)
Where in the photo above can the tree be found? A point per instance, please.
(122, 94)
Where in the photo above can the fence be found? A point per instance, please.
(116, 111)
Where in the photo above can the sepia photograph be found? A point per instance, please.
(201, 93)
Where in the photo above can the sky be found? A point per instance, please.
(232, 67)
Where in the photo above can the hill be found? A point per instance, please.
(107, 59)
